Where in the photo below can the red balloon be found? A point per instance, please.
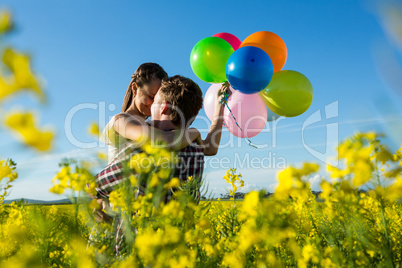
(230, 38)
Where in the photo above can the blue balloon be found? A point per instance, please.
(249, 69)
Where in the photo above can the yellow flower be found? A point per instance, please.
(250, 203)
(363, 172)
(147, 242)
(141, 163)
(384, 155)
(326, 190)
(234, 189)
(394, 191)
(231, 177)
(164, 173)
(94, 204)
(174, 183)
(149, 149)
(309, 253)
(102, 156)
(309, 168)
(133, 180)
(6, 88)
(57, 189)
(64, 172)
(94, 130)
(248, 237)
(154, 180)
(7, 171)
(24, 125)
(117, 198)
(398, 155)
(285, 178)
(23, 78)
(172, 208)
(335, 172)
(233, 259)
(6, 23)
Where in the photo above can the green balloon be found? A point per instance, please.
(288, 94)
(209, 57)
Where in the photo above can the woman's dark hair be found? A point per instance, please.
(144, 75)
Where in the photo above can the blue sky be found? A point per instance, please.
(86, 51)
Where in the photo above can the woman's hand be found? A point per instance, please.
(99, 214)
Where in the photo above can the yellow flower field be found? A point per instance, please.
(288, 229)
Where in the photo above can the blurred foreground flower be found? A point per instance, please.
(6, 23)
(364, 160)
(21, 77)
(79, 181)
(94, 130)
(7, 171)
(24, 124)
(293, 182)
(15, 76)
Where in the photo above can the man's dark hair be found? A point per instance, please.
(185, 97)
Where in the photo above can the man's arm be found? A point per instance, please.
(213, 139)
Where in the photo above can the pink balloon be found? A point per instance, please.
(230, 38)
(209, 100)
(250, 112)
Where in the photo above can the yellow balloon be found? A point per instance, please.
(288, 94)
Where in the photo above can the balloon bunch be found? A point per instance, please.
(254, 70)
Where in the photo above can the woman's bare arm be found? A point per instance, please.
(137, 130)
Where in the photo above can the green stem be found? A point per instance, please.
(234, 205)
(76, 212)
(384, 221)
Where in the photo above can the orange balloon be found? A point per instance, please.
(270, 43)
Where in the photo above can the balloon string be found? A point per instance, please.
(225, 101)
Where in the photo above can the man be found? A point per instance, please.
(175, 106)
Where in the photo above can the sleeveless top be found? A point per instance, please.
(112, 139)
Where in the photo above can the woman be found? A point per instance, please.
(144, 84)
(139, 96)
